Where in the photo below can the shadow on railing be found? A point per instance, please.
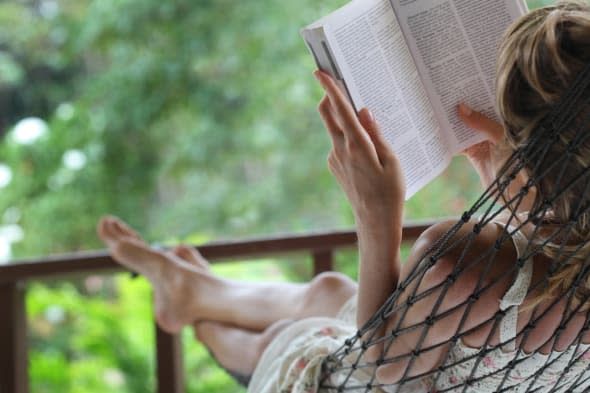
(170, 375)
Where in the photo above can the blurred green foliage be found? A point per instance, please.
(178, 107)
(193, 120)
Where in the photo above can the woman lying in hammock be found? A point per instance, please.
(489, 304)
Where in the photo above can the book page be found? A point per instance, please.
(372, 56)
(454, 43)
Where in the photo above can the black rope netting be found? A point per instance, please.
(546, 157)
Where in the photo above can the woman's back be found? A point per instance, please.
(525, 350)
(488, 332)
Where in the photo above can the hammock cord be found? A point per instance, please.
(572, 111)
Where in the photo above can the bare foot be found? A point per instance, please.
(178, 283)
(126, 246)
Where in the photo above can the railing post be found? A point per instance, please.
(323, 261)
(13, 339)
(169, 362)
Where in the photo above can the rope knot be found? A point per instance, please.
(497, 245)
(573, 149)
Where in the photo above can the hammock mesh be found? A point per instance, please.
(546, 153)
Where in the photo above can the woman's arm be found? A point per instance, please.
(379, 239)
(370, 175)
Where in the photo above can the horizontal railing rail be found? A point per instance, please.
(170, 377)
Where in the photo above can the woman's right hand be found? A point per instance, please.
(363, 163)
(481, 155)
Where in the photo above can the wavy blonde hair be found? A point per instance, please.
(540, 57)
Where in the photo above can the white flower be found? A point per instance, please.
(5, 175)
(28, 130)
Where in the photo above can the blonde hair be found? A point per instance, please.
(540, 57)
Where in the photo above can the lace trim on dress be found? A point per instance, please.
(515, 296)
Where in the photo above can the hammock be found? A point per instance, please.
(545, 153)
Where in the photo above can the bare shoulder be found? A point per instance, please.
(448, 280)
(460, 248)
(437, 288)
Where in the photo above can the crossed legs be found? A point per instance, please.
(235, 320)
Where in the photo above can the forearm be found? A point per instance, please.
(370, 175)
(379, 267)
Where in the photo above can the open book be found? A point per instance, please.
(411, 62)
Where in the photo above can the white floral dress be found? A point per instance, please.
(292, 363)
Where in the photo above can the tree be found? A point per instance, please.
(173, 115)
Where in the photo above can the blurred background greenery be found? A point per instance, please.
(193, 120)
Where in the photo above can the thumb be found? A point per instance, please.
(368, 122)
(478, 121)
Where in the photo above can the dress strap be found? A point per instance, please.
(517, 292)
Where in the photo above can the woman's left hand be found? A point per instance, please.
(362, 161)
(481, 155)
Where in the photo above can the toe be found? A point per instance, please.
(105, 229)
(185, 253)
(191, 255)
(111, 230)
(100, 227)
(124, 229)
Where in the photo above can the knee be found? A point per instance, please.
(332, 284)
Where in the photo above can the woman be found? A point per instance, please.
(461, 322)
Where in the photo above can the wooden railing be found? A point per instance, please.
(170, 376)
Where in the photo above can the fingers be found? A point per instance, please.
(370, 125)
(343, 111)
(343, 124)
(330, 123)
(333, 163)
(478, 121)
